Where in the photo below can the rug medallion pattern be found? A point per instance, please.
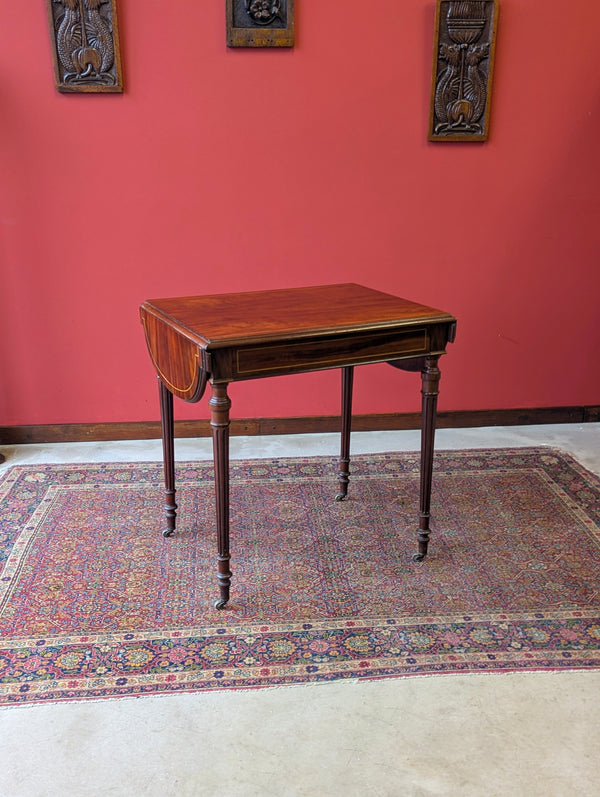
(95, 603)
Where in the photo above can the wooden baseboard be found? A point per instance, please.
(149, 430)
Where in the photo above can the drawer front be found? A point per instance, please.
(332, 352)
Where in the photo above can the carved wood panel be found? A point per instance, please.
(260, 23)
(85, 45)
(463, 62)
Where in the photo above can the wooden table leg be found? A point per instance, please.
(344, 474)
(220, 404)
(430, 376)
(166, 418)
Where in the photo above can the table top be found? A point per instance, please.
(236, 336)
(289, 313)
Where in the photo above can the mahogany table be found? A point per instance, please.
(195, 340)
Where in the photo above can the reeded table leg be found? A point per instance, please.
(219, 404)
(430, 376)
(344, 474)
(166, 419)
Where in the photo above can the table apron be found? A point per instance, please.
(271, 359)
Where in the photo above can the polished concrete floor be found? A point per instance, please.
(513, 734)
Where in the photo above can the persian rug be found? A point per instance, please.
(95, 603)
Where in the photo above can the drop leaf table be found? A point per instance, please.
(198, 340)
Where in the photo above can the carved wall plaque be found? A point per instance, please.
(85, 45)
(463, 62)
(260, 23)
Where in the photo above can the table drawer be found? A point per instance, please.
(330, 352)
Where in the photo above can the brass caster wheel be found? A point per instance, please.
(220, 604)
(418, 557)
(168, 532)
(341, 497)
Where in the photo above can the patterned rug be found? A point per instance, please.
(95, 603)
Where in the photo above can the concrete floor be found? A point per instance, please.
(515, 734)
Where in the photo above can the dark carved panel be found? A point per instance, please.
(463, 61)
(85, 45)
(260, 23)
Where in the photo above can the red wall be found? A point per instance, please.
(227, 170)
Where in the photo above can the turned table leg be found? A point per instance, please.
(220, 404)
(166, 418)
(430, 376)
(344, 473)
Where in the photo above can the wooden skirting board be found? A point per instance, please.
(149, 430)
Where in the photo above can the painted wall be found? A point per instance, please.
(228, 170)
